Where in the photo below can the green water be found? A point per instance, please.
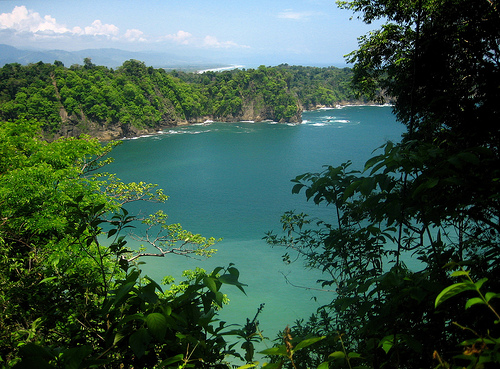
(232, 180)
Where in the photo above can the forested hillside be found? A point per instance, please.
(135, 99)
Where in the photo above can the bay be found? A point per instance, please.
(232, 180)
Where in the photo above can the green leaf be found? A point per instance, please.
(367, 185)
(337, 355)
(480, 283)
(172, 360)
(323, 365)
(148, 293)
(139, 341)
(272, 365)
(48, 279)
(232, 279)
(118, 337)
(167, 310)
(349, 191)
(371, 162)
(32, 350)
(157, 325)
(210, 283)
(474, 301)
(216, 271)
(154, 283)
(112, 232)
(234, 271)
(277, 350)
(459, 273)
(468, 157)
(453, 290)
(296, 189)
(307, 342)
(248, 366)
(74, 357)
(491, 295)
(386, 343)
(219, 298)
(128, 318)
(426, 185)
(122, 292)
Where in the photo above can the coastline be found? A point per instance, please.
(220, 69)
(120, 132)
(161, 130)
(347, 104)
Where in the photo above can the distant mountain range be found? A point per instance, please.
(111, 58)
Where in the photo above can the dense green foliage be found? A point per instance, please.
(90, 97)
(316, 87)
(312, 86)
(71, 291)
(421, 208)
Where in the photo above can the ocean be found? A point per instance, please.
(232, 180)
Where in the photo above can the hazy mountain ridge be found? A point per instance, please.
(111, 58)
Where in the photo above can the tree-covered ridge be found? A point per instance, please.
(312, 86)
(316, 86)
(134, 97)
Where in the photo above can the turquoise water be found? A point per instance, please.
(232, 180)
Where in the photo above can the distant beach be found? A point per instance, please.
(220, 69)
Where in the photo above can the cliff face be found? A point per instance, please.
(74, 126)
(110, 132)
(257, 110)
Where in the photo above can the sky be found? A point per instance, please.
(270, 32)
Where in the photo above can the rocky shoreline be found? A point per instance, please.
(76, 126)
(120, 132)
(73, 127)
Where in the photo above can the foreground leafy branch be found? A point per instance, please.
(484, 349)
(172, 239)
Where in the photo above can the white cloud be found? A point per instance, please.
(99, 29)
(28, 26)
(290, 14)
(133, 35)
(23, 20)
(186, 38)
(27, 22)
(212, 42)
(181, 37)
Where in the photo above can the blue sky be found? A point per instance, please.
(250, 32)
